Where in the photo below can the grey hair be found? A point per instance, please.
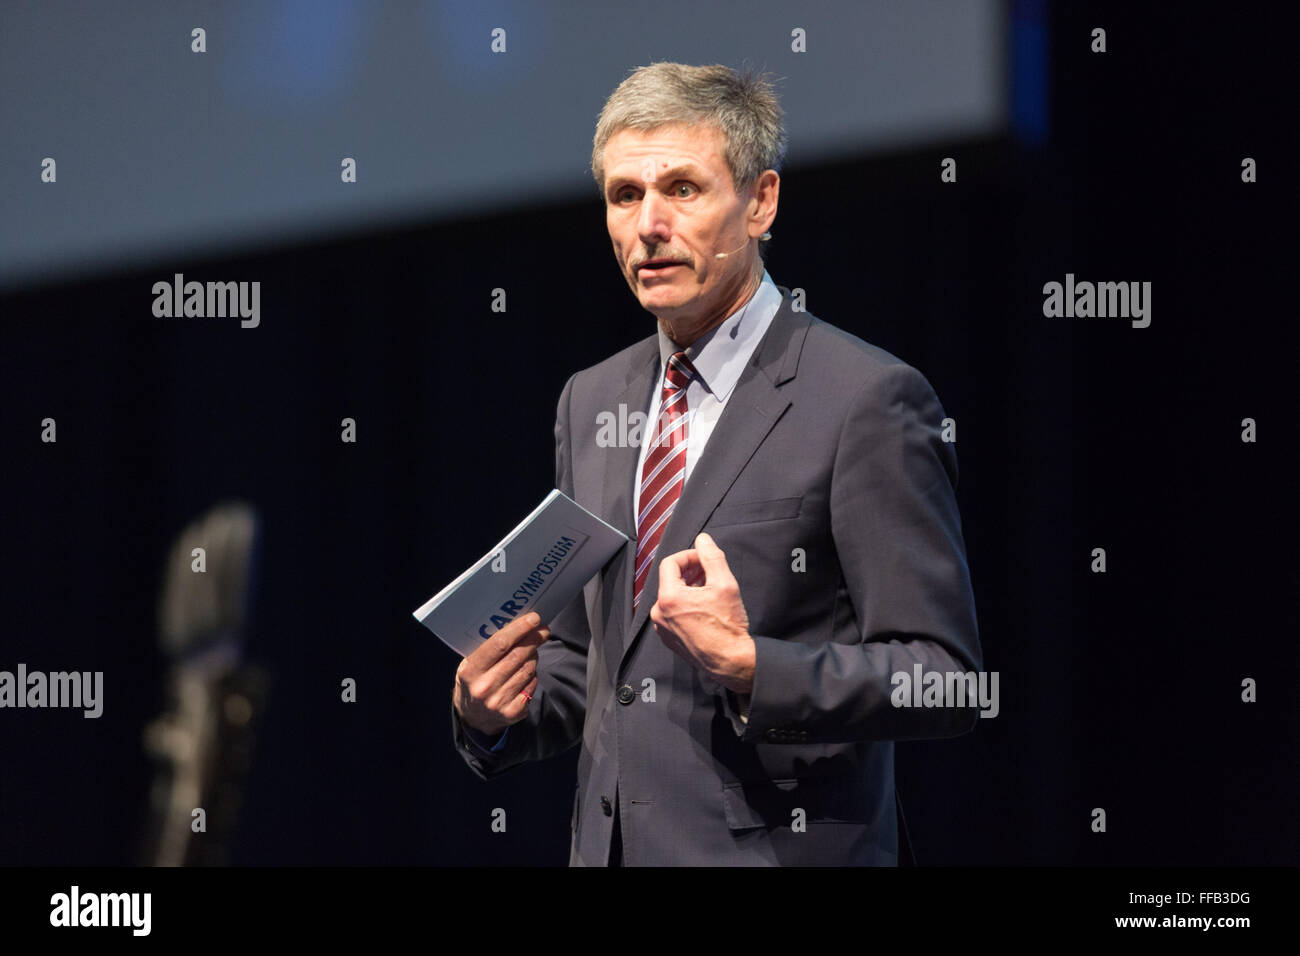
(744, 107)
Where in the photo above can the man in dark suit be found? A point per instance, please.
(794, 535)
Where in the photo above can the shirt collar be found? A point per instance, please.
(719, 356)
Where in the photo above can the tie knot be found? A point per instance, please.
(680, 369)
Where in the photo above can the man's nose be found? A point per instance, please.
(654, 221)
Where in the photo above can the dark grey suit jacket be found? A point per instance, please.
(827, 485)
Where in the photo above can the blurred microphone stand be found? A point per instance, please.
(202, 743)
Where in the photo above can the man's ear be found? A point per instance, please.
(755, 201)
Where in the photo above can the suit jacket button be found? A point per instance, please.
(626, 694)
(605, 805)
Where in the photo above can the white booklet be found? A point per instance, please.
(539, 566)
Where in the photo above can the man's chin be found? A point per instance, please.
(661, 302)
(664, 295)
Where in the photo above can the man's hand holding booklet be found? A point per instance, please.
(539, 567)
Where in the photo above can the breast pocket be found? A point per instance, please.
(746, 512)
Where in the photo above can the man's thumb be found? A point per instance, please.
(711, 556)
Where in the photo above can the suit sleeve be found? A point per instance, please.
(898, 539)
(556, 713)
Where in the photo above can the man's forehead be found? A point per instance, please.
(648, 154)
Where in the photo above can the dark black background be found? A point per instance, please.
(1119, 691)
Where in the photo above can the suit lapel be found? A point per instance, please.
(750, 413)
(619, 470)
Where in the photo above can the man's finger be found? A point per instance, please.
(681, 569)
(670, 568)
(711, 558)
(525, 649)
(514, 711)
(505, 640)
(513, 686)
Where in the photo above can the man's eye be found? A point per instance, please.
(628, 192)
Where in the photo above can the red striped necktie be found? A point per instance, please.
(664, 471)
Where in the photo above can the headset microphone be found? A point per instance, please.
(723, 255)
